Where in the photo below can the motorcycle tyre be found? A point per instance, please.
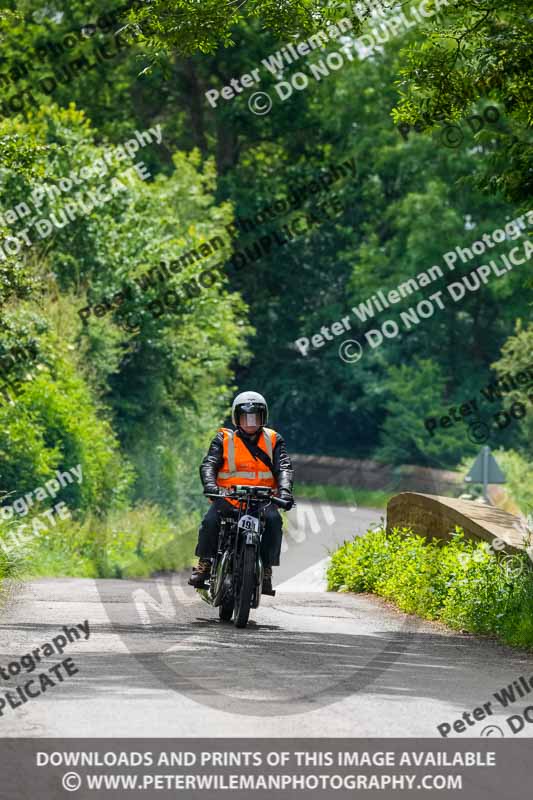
(243, 601)
(225, 610)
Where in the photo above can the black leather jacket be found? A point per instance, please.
(214, 459)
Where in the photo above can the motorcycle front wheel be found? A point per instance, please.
(243, 599)
(225, 610)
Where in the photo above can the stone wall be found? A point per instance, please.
(434, 516)
(367, 474)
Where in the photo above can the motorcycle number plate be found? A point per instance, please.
(249, 523)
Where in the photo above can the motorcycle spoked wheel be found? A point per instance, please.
(243, 600)
(225, 591)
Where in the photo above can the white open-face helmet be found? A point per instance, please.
(249, 403)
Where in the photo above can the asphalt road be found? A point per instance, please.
(159, 663)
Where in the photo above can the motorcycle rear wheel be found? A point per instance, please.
(243, 600)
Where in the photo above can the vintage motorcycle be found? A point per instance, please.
(237, 570)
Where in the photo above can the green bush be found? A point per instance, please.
(54, 424)
(460, 582)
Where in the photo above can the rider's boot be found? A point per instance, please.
(200, 574)
(267, 582)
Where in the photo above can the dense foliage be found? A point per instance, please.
(133, 395)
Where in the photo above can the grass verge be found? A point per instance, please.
(459, 582)
(128, 544)
(10, 567)
(344, 495)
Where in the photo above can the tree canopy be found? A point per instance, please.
(140, 298)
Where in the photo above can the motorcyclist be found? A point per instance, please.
(249, 455)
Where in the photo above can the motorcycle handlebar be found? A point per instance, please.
(278, 501)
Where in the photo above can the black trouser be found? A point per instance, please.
(270, 543)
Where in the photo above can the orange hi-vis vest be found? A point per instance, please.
(240, 467)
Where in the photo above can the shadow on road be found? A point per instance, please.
(266, 670)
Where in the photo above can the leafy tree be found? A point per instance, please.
(413, 394)
(53, 423)
(187, 28)
(477, 49)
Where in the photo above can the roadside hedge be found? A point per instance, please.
(461, 583)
